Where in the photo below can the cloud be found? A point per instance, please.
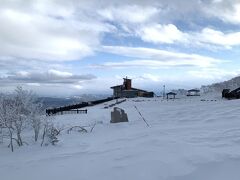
(150, 77)
(35, 32)
(218, 38)
(207, 37)
(226, 10)
(158, 33)
(71, 30)
(129, 13)
(10, 65)
(51, 76)
(40, 39)
(155, 58)
(213, 74)
(56, 73)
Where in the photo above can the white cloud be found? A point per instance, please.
(36, 33)
(158, 33)
(151, 77)
(78, 86)
(57, 73)
(153, 64)
(207, 37)
(129, 13)
(71, 30)
(226, 10)
(23, 74)
(213, 74)
(155, 58)
(51, 76)
(218, 38)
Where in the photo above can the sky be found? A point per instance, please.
(63, 48)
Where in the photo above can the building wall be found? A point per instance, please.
(126, 90)
(117, 91)
(129, 93)
(145, 94)
(127, 84)
(193, 93)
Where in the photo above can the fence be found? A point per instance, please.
(116, 103)
(100, 101)
(74, 109)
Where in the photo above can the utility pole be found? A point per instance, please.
(164, 91)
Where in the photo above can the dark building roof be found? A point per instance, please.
(116, 86)
(138, 89)
(194, 90)
(171, 93)
(134, 89)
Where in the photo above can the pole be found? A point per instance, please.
(141, 116)
(163, 91)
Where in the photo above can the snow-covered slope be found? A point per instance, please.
(218, 87)
(188, 139)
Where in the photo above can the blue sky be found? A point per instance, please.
(62, 48)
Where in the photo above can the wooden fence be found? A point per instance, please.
(75, 109)
(114, 104)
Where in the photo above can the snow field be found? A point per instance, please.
(188, 139)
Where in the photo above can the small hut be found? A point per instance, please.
(171, 95)
(193, 92)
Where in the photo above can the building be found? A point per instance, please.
(193, 92)
(126, 90)
(227, 93)
(171, 95)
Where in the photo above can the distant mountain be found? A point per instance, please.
(58, 101)
(218, 87)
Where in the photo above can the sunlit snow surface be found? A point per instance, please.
(188, 139)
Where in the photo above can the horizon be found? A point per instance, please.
(65, 48)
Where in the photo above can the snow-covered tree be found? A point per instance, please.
(50, 132)
(18, 111)
(23, 101)
(36, 119)
(7, 117)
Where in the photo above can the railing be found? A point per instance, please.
(114, 104)
(75, 108)
(73, 111)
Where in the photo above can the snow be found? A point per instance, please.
(188, 139)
